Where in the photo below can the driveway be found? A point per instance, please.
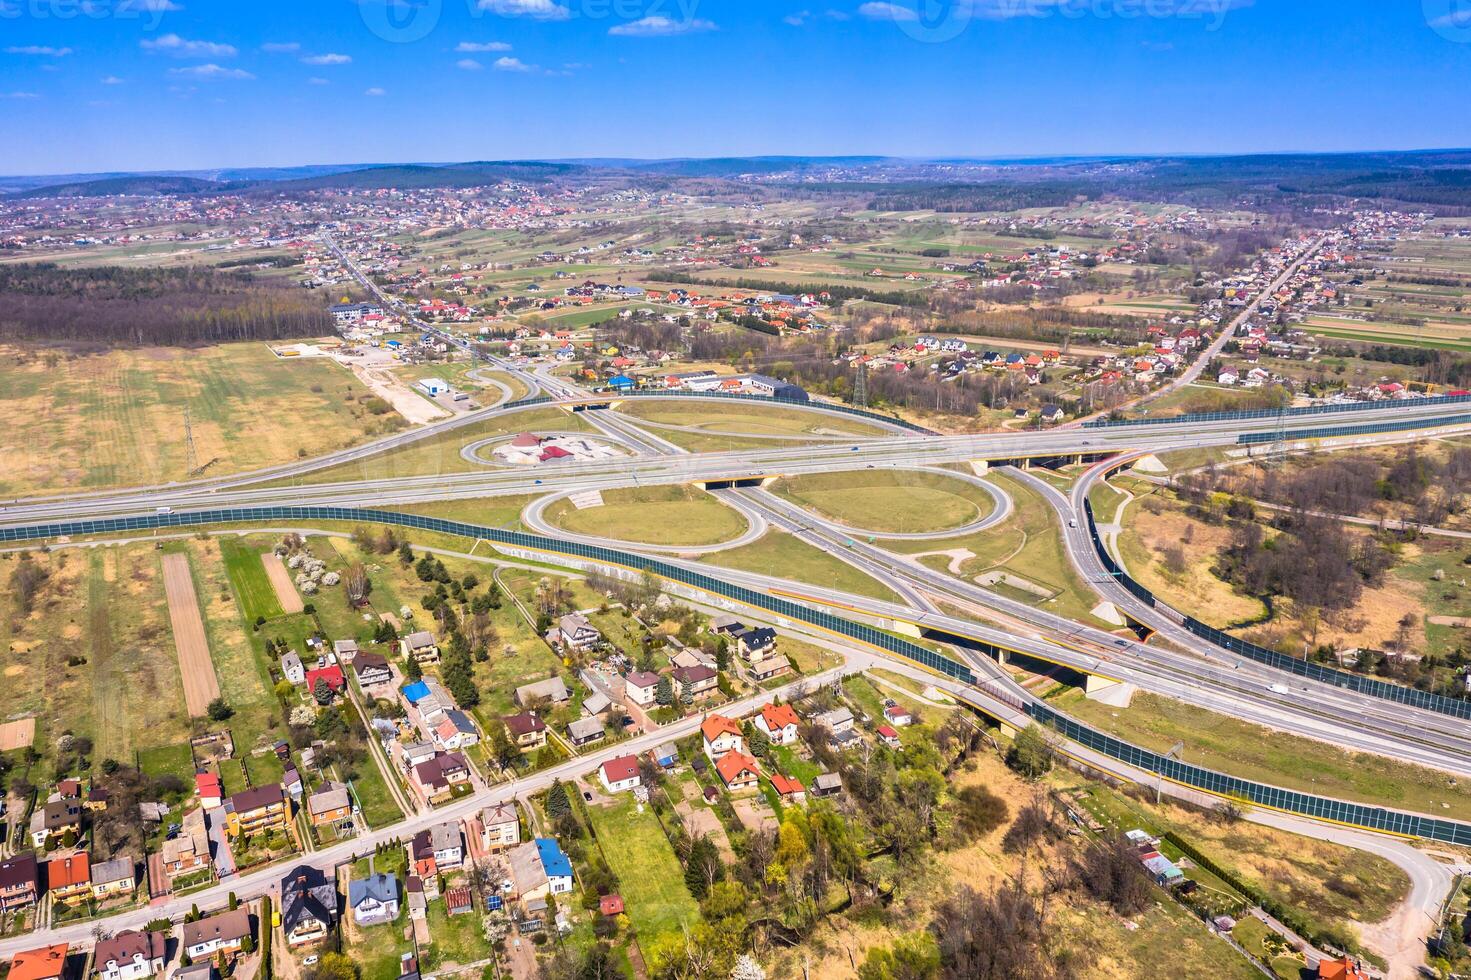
(219, 844)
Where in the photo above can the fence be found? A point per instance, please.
(1336, 431)
(1376, 818)
(1272, 413)
(1267, 657)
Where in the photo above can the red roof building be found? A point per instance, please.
(332, 676)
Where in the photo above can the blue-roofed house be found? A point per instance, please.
(415, 692)
(622, 382)
(666, 755)
(1162, 869)
(558, 869)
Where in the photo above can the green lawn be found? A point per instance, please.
(650, 878)
(665, 515)
(882, 500)
(778, 553)
(1252, 752)
(747, 418)
(248, 576)
(499, 512)
(454, 939)
(378, 948)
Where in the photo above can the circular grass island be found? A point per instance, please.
(673, 516)
(889, 501)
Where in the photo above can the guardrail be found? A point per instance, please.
(862, 413)
(1272, 413)
(1267, 657)
(1364, 429)
(1375, 818)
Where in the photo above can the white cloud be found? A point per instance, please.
(112, 80)
(656, 26)
(375, 91)
(150, 6)
(468, 64)
(280, 47)
(213, 71)
(173, 44)
(1456, 18)
(317, 81)
(798, 19)
(535, 9)
(327, 59)
(878, 10)
(512, 64)
(19, 95)
(41, 50)
(480, 47)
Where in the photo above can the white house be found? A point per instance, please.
(620, 774)
(640, 687)
(292, 669)
(499, 826)
(224, 932)
(373, 899)
(779, 723)
(721, 735)
(131, 955)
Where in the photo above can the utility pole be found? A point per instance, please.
(860, 385)
(191, 461)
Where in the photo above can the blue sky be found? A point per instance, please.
(93, 85)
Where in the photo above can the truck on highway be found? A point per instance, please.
(165, 510)
(1278, 688)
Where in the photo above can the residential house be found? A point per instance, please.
(837, 721)
(694, 681)
(55, 819)
(888, 736)
(528, 877)
(574, 632)
(260, 809)
(372, 669)
(641, 687)
(189, 850)
(756, 643)
(418, 904)
(779, 723)
(20, 881)
(585, 730)
(790, 790)
(738, 771)
(373, 899)
(346, 650)
(1345, 968)
(1161, 869)
(211, 791)
(45, 963)
(331, 675)
(308, 905)
(552, 689)
(898, 715)
(329, 804)
(415, 753)
(431, 698)
(223, 932)
(421, 646)
(439, 776)
(131, 955)
(665, 755)
(69, 878)
(195, 971)
(721, 735)
(555, 864)
(112, 878)
(292, 668)
(620, 774)
(526, 731)
(436, 849)
(765, 669)
(499, 826)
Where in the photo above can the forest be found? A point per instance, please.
(180, 306)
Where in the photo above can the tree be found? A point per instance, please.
(557, 802)
(757, 740)
(405, 554)
(413, 671)
(284, 689)
(703, 868)
(664, 691)
(357, 584)
(218, 710)
(912, 957)
(746, 968)
(333, 966)
(1030, 754)
(322, 691)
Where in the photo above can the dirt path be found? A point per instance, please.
(280, 577)
(403, 399)
(197, 670)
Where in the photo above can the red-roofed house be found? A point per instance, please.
(620, 774)
(46, 963)
(610, 905)
(721, 735)
(332, 676)
(888, 736)
(69, 877)
(779, 723)
(211, 792)
(738, 771)
(788, 788)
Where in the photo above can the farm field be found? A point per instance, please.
(899, 502)
(665, 515)
(195, 666)
(94, 656)
(117, 419)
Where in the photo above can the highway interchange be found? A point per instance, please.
(1176, 663)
